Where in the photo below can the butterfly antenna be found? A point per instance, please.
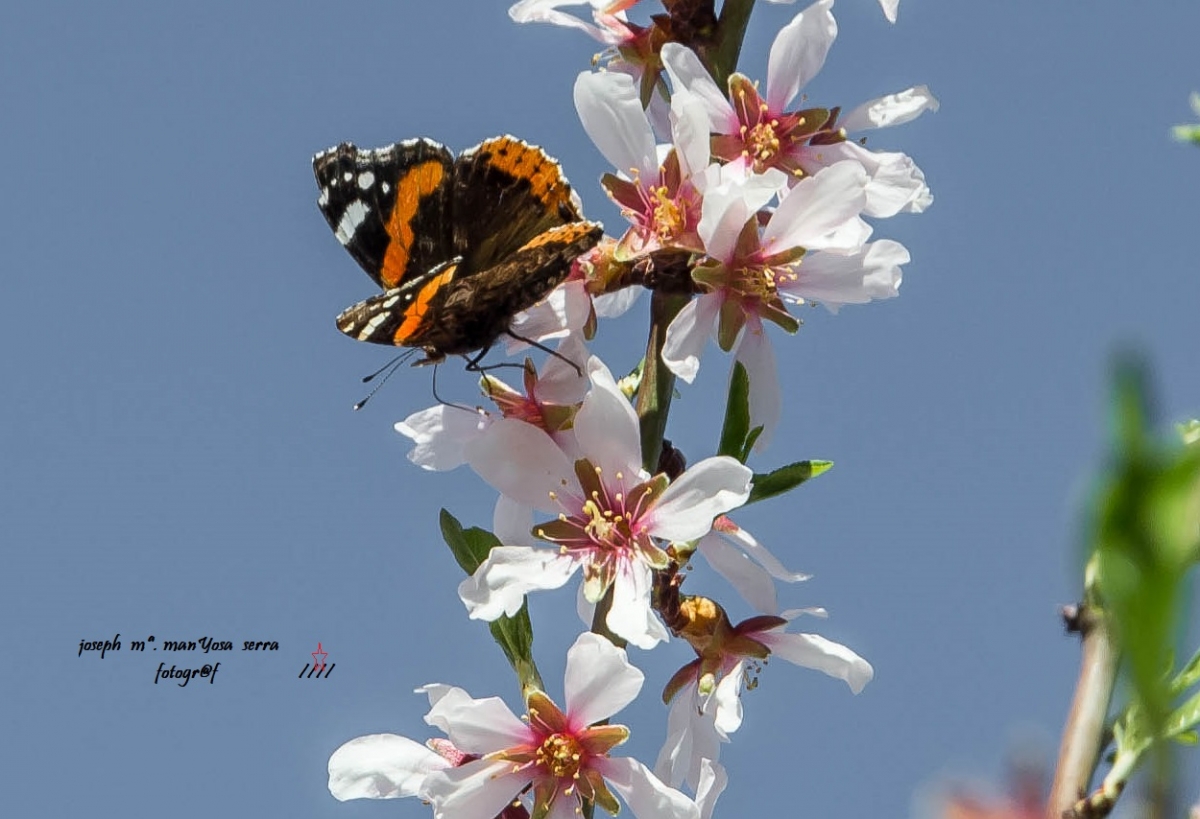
(547, 350)
(387, 370)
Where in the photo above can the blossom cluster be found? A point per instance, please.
(746, 205)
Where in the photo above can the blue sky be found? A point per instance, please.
(181, 458)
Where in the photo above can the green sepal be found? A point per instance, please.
(785, 479)
(514, 635)
(737, 415)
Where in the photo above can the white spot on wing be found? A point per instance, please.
(355, 213)
(365, 180)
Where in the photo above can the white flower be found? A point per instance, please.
(556, 759)
(705, 695)
(890, 7)
(610, 512)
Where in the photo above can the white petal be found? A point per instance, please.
(380, 766)
(440, 433)
(799, 52)
(543, 11)
(890, 7)
(523, 462)
(894, 109)
(756, 354)
(896, 183)
(822, 212)
(834, 279)
(814, 651)
(599, 681)
(606, 427)
(611, 305)
(761, 555)
(631, 616)
(560, 314)
(476, 726)
(687, 73)
(501, 582)
(646, 795)
(512, 523)
(752, 583)
(726, 702)
(730, 199)
(691, 738)
(713, 779)
(690, 132)
(482, 788)
(565, 382)
(707, 489)
(610, 109)
(687, 334)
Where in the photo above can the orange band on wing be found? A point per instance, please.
(420, 181)
(414, 314)
(522, 161)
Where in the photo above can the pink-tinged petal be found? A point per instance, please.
(512, 523)
(610, 109)
(893, 109)
(833, 279)
(821, 212)
(476, 726)
(631, 615)
(756, 354)
(606, 427)
(645, 794)
(477, 790)
(564, 807)
(799, 52)
(751, 582)
(890, 8)
(599, 680)
(690, 132)
(709, 488)
(688, 333)
(761, 555)
(501, 582)
(815, 652)
(688, 74)
(523, 462)
(713, 779)
(440, 433)
(380, 766)
(691, 738)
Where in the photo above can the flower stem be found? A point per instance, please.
(658, 383)
(731, 28)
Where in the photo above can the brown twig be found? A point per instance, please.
(1082, 738)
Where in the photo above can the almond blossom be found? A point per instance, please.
(612, 515)
(754, 132)
(705, 695)
(557, 760)
(657, 187)
(813, 246)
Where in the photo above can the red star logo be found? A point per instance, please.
(319, 658)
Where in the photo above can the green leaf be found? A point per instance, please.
(737, 415)
(513, 634)
(470, 547)
(785, 478)
(1183, 718)
(751, 439)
